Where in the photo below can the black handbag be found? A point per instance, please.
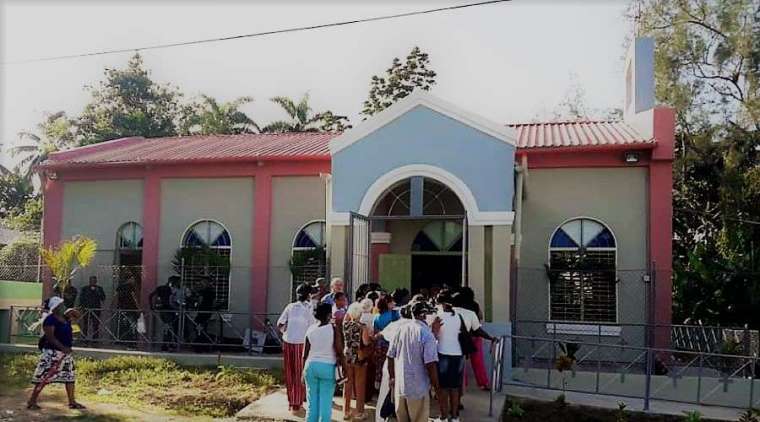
(465, 339)
(389, 409)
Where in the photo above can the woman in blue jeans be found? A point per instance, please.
(323, 350)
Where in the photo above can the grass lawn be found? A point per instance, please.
(524, 410)
(147, 386)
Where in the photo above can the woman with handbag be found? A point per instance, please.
(322, 352)
(465, 305)
(454, 343)
(357, 342)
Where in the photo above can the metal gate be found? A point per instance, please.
(358, 256)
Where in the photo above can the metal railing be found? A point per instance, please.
(629, 371)
(697, 338)
(171, 330)
(497, 370)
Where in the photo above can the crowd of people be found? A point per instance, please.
(401, 349)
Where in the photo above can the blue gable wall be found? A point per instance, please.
(424, 136)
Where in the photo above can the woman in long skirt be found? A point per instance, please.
(56, 365)
(293, 322)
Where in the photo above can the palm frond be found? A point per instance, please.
(29, 135)
(66, 259)
(22, 149)
(279, 126)
(287, 104)
(86, 248)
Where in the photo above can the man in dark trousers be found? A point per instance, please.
(91, 300)
(206, 303)
(161, 300)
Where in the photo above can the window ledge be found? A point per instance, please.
(583, 329)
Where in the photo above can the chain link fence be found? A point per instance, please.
(209, 307)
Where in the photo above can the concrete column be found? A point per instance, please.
(151, 235)
(261, 224)
(476, 261)
(52, 223)
(337, 248)
(500, 272)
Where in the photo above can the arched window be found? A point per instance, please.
(205, 252)
(127, 271)
(439, 236)
(432, 198)
(207, 234)
(129, 236)
(308, 260)
(582, 272)
(310, 236)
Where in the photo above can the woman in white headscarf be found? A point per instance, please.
(56, 363)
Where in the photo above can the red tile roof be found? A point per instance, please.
(576, 134)
(314, 146)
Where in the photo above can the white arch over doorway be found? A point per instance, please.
(463, 192)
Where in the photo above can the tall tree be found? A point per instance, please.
(56, 132)
(301, 118)
(15, 191)
(209, 117)
(707, 66)
(400, 80)
(129, 103)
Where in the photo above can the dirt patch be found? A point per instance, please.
(54, 408)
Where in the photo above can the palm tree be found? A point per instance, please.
(302, 120)
(56, 132)
(213, 118)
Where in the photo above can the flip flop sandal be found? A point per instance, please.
(76, 406)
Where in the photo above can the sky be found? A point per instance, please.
(508, 62)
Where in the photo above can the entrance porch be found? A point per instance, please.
(409, 210)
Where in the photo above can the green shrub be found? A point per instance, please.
(751, 415)
(515, 410)
(620, 414)
(19, 259)
(693, 416)
(561, 401)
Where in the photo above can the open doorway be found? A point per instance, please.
(127, 271)
(437, 256)
(413, 238)
(430, 272)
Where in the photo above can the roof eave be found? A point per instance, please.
(53, 165)
(647, 145)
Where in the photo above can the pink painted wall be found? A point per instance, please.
(661, 219)
(262, 172)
